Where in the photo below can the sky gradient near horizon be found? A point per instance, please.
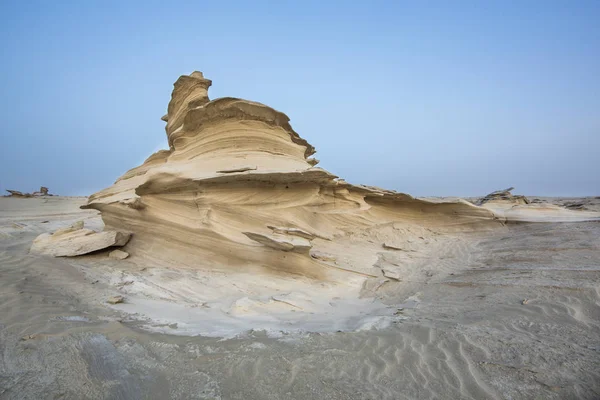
(449, 98)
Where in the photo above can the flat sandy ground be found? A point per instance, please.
(512, 314)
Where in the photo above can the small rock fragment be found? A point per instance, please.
(391, 273)
(389, 246)
(115, 299)
(525, 301)
(322, 256)
(118, 255)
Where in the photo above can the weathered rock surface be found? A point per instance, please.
(76, 240)
(238, 190)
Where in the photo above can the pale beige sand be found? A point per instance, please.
(512, 312)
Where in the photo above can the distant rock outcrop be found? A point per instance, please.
(43, 192)
(509, 207)
(16, 193)
(503, 196)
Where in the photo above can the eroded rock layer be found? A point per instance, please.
(238, 190)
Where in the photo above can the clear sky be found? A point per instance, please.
(428, 98)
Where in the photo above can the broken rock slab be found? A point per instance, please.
(392, 246)
(76, 240)
(389, 268)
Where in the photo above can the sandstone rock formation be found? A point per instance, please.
(76, 240)
(238, 189)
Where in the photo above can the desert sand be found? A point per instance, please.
(244, 271)
(511, 313)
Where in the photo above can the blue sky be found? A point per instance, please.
(428, 98)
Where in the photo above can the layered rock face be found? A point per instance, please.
(238, 190)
